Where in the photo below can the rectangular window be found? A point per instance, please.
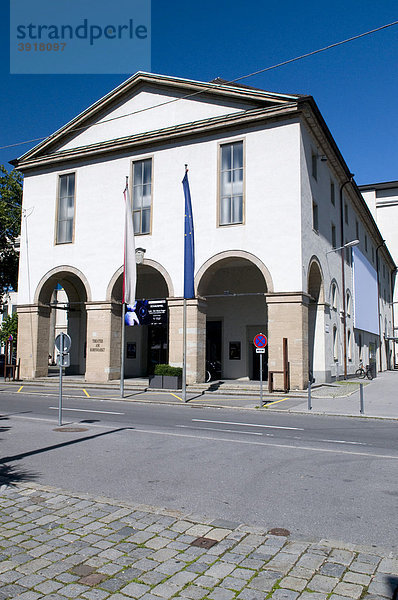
(366, 243)
(348, 253)
(314, 165)
(65, 209)
(142, 195)
(332, 193)
(231, 184)
(384, 270)
(315, 222)
(346, 212)
(357, 230)
(334, 245)
(373, 254)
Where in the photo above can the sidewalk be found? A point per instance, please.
(56, 545)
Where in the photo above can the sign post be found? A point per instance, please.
(260, 341)
(62, 344)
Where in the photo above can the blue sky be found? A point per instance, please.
(355, 85)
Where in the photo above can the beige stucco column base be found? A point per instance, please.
(196, 337)
(103, 341)
(288, 317)
(33, 337)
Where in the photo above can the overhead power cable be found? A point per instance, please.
(281, 64)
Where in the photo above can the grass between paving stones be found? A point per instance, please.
(58, 528)
(190, 583)
(275, 587)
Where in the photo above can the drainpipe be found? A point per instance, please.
(343, 272)
(378, 303)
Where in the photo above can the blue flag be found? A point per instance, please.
(189, 245)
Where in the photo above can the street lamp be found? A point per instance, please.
(347, 245)
(342, 248)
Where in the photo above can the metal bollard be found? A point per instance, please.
(361, 403)
(309, 396)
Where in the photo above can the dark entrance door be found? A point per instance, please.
(213, 348)
(256, 364)
(157, 346)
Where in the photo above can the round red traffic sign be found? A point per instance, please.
(260, 341)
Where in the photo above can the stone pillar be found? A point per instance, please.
(33, 336)
(288, 317)
(74, 331)
(196, 337)
(103, 341)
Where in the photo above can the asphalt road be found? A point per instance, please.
(317, 476)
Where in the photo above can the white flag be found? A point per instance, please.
(130, 268)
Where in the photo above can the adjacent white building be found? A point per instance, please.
(382, 199)
(272, 199)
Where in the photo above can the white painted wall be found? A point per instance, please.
(166, 114)
(272, 218)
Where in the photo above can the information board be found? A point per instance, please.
(147, 312)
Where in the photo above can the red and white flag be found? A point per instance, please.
(130, 269)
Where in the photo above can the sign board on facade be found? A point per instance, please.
(147, 312)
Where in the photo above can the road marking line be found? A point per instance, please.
(218, 429)
(343, 442)
(253, 443)
(55, 422)
(103, 412)
(46, 394)
(88, 395)
(34, 419)
(20, 389)
(175, 396)
(249, 424)
(276, 402)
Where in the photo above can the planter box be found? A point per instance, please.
(168, 382)
(156, 381)
(172, 382)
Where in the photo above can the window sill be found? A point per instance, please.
(230, 224)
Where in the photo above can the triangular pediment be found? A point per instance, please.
(149, 103)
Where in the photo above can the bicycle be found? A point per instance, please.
(361, 373)
(213, 370)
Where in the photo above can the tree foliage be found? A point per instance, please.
(10, 227)
(9, 327)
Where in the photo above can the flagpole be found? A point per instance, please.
(184, 336)
(123, 309)
(184, 350)
(122, 352)
(189, 269)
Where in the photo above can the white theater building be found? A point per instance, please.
(265, 177)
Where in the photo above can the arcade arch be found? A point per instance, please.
(234, 285)
(61, 296)
(146, 345)
(316, 322)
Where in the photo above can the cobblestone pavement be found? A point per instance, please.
(56, 545)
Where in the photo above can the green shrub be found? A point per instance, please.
(168, 370)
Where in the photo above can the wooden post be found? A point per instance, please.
(285, 366)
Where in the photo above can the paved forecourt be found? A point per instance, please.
(56, 545)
